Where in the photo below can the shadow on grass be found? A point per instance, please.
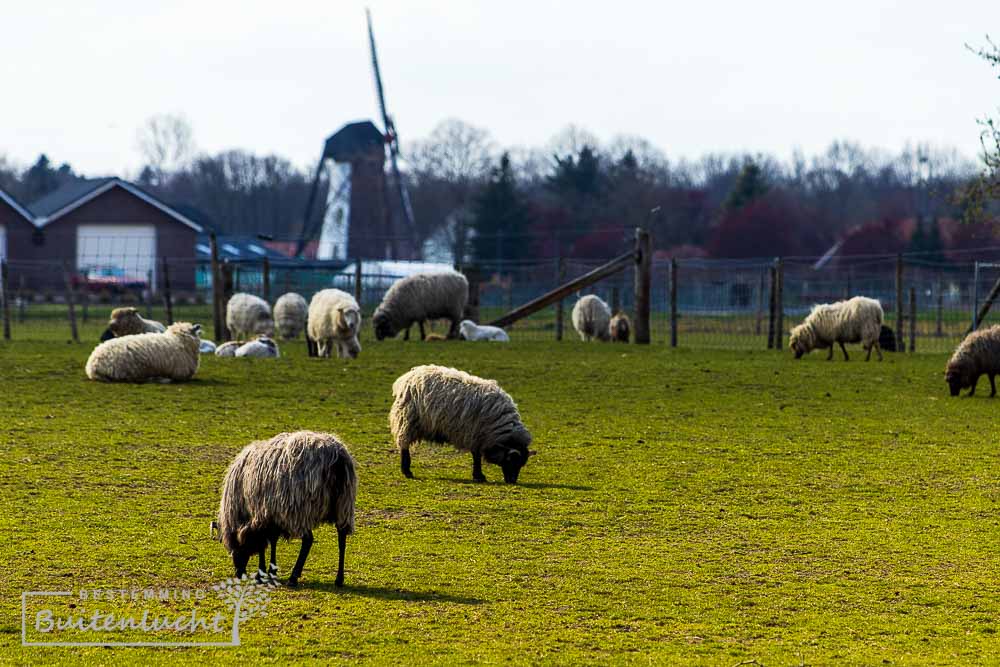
(390, 593)
(527, 485)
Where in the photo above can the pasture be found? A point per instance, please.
(685, 507)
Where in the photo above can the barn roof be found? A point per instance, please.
(353, 139)
(73, 195)
(14, 204)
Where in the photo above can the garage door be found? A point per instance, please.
(3, 242)
(124, 248)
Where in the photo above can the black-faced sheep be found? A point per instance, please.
(469, 330)
(286, 487)
(128, 322)
(591, 318)
(164, 357)
(290, 313)
(439, 404)
(248, 316)
(857, 320)
(424, 296)
(334, 322)
(620, 328)
(978, 354)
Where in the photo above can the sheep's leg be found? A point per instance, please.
(307, 542)
(272, 571)
(993, 385)
(404, 463)
(406, 334)
(342, 546)
(878, 350)
(261, 575)
(843, 349)
(829, 354)
(453, 330)
(423, 334)
(477, 467)
(869, 355)
(975, 381)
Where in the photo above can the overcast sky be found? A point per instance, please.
(692, 77)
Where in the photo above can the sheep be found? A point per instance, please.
(286, 487)
(852, 321)
(591, 318)
(290, 313)
(228, 349)
(424, 296)
(469, 330)
(247, 316)
(263, 348)
(887, 339)
(207, 347)
(441, 404)
(335, 321)
(978, 354)
(127, 322)
(164, 357)
(620, 328)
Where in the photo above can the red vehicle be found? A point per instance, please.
(110, 278)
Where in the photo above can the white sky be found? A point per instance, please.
(691, 76)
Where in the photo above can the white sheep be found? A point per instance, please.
(592, 318)
(162, 357)
(228, 349)
(262, 348)
(857, 320)
(469, 330)
(290, 313)
(335, 321)
(207, 347)
(247, 316)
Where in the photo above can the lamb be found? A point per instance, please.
(469, 330)
(290, 313)
(206, 347)
(262, 348)
(163, 357)
(248, 316)
(228, 349)
(127, 322)
(852, 321)
(977, 355)
(335, 321)
(591, 318)
(424, 296)
(620, 327)
(286, 487)
(441, 404)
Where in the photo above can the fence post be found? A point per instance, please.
(913, 319)
(168, 299)
(71, 305)
(266, 276)
(940, 308)
(216, 290)
(779, 300)
(21, 305)
(357, 281)
(559, 304)
(616, 300)
(643, 283)
(772, 271)
(5, 299)
(472, 276)
(899, 302)
(673, 302)
(760, 301)
(148, 295)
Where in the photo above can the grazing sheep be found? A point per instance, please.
(128, 322)
(591, 318)
(424, 296)
(207, 347)
(247, 316)
(228, 349)
(887, 339)
(290, 313)
(620, 328)
(163, 357)
(469, 330)
(286, 487)
(335, 321)
(978, 354)
(262, 348)
(475, 415)
(857, 320)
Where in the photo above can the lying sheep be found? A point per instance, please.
(207, 347)
(162, 357)
(424, 296)
(591, 318)
(228, 349)
(262, 348)
(286, 487)
(128, 322)
(469, 330)
(290, 313)
(475, 415)
(978, 354)
(620, 328)
(335, 321)
(857, 320)
(248, 316)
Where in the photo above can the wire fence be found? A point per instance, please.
(725, 304)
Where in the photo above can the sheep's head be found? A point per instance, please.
(957, 377)
(383, 326)
(620, 328)
(185, 329)
(798, 342)
(466, 329)
(250, 542)
(123, 322)
(511, 454)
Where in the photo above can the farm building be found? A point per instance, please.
(105, 229)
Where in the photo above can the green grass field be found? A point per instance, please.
(684, 508)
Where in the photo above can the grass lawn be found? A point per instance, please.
(684, 507)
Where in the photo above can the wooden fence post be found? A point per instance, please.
(168, 299)
(913, 320)
(148, 294)
(940, 308)
(899, 302)
(643, 284)
(760, 301)
(266, 277)
(5, 299)
(358, 277)
(616, 300)
(779, 301)
(559, 304)
(473, 277)
(771, 310)
(21, 301)
(71, 305)
(217, 304)
(673, 302)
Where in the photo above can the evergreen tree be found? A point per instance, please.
(578, 177)
(502, 218)
(750, 186)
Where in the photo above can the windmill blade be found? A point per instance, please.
(307, 229)
(386, 121)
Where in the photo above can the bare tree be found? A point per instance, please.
(985, 190)
(166, 143)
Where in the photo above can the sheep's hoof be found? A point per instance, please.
(339, 583)
(407, 474)
(293, 583)
(479, 480)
